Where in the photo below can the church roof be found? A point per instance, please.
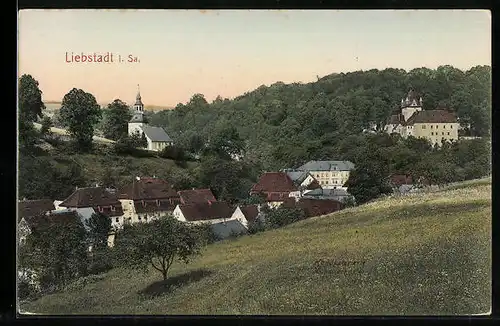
(156, 133)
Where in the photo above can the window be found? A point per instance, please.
(100, 209)
(451, 127)
(113, 208)
(432, 127)
(146, 217)
(117, 219)
(442, 134)
(158, 202)
(444, 126)
(437, 126)
(448, 133)
(432, 134)
(139, 218)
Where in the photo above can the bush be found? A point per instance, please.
(173, 153)
(83, 281)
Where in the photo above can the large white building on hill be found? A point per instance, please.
(157, 137)
(434, 125)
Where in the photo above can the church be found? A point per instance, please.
(157, 137)
(434, 125)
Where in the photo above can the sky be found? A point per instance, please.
(230, 52)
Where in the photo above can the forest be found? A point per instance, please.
(284, 125)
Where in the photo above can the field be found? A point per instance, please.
(428, 253)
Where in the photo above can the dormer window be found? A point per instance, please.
(100, 209)
(158, 202)
(113, 208)
(143, 203)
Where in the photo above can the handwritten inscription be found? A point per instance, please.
(94, 57)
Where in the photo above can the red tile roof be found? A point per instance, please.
(250, 211)
(277, 196)
(91, 197)
(274, 182)
(194, 196)
(52, 218)
(147, 189)
(151, 206)
(206, 211)
(29, 208)
(432, 116)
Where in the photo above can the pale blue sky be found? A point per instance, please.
(231, 52)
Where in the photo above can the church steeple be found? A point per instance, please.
(138, 106)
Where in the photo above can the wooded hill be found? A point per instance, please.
(284, 125)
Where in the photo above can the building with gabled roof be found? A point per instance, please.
(156, 137)
(248, 214)
(329, 174)
(228, 229)
(275, 187)
(30, 208)
(315, 207)
(209, 212)
(145, 199)
(434, 125)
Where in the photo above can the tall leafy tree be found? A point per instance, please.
(30, 109)
(116, 118)
(56, 251)
(79, 113)
(158, 244)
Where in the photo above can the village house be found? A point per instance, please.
(147, 198)
(274, 187)
(314, 207)
(196, 196)
(156, 137)
(434, 125)
(330, 174)
(248, 214)
(207, 212)
(100, 199)
(224, 230)
(303, 180)
(27, 210)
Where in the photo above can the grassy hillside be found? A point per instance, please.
(425, 254)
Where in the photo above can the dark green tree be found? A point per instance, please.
(116, 118)
(46, 125)
(56, 251)
(79, 113)
(30, 109)
(158, 244)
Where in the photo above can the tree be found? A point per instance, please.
(46, 125)
(282, 216)
(30, 109)
(116, 118)
(158, 243)
(99, 227)
(56, 251)
(79, 113)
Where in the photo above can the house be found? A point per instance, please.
(100, 199)
(315, 207)
(147, 198)
(194, 196)
(224, 230)
(330, 174)
(247, 214)
(340, 195)
(208, 212)
(303, 180)
(434, 125)
(29, 209)
(156, 137)
(275, 187)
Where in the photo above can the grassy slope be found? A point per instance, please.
(424, 254)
